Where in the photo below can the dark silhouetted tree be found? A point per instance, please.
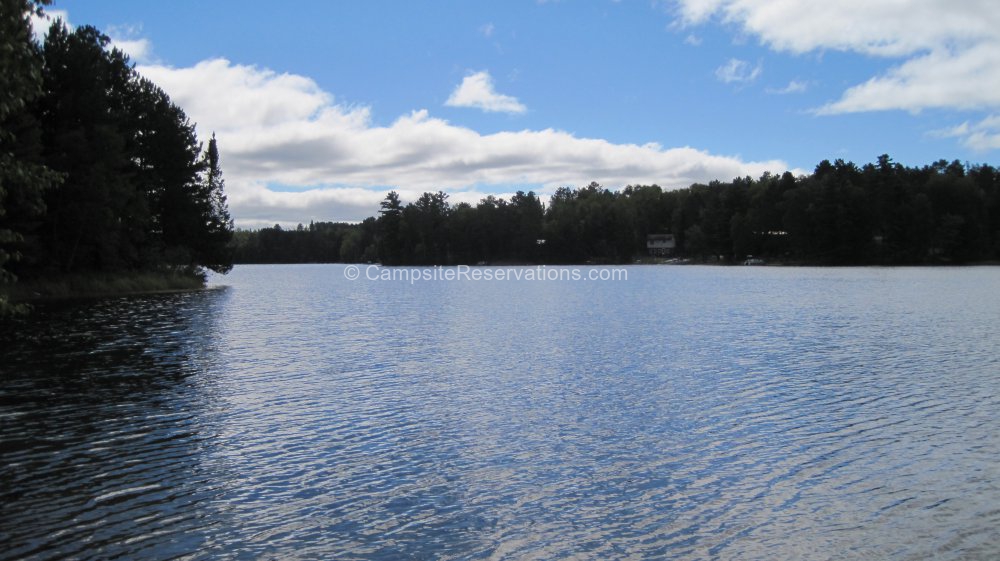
(23, 176)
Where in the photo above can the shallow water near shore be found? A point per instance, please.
(684, 413)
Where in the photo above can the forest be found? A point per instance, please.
(100, 172)
(841, 214)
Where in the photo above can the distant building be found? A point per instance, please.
(660, 245)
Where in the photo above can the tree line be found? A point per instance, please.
(841, 214)
(99, 170)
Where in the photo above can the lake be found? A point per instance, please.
(686, 413)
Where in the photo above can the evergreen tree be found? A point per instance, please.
(389, 244)
(23, 177)
(214, 251)
(99, 170)
(92, 214)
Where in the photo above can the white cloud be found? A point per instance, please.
(950, 51)
(967, 79)
(336, 164)
(139, 50)
(793, 87)
(982, 136)
(694, 12)
(487, 30)
(476, 90)
(128, 39)
(879, 27)
(738, 71)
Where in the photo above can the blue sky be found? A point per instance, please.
(321, 107)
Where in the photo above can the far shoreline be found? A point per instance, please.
(644, 262)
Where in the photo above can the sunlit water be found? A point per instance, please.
(686, 413)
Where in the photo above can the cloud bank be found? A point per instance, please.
(292, 153)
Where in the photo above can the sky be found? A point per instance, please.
(320, 107)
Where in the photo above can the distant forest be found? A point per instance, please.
(842, 214)
(99, 171)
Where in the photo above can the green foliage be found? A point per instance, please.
(23, 176)
(390, 245)
(320, 242)
(82, 114)
(211, 234)
(880, 213)
(99, 171)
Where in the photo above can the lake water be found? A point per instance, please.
(684, 413)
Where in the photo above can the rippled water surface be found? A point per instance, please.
(686, 413)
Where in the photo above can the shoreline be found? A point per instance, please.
(98, 285)
(656, 262)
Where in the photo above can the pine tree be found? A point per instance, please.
(389, 242)
(23, 178)
(92, 216)
(216, 253)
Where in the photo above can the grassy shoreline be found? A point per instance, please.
(88, 285)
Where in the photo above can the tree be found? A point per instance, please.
(99, 170)
(428, 217)
(23, 176)
(389, 246)
(463, 234)
(528, 215)
(213, 251)
(139, 192)
(493, 229)
(563, 227)
(93, 215)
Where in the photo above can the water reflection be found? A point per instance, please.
(105, 406)
(734, 413)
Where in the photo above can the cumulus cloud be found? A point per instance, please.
(477, 90)
(333, 162)
(966, 79)
(883, 28)
(738, 71)
(950, 51)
